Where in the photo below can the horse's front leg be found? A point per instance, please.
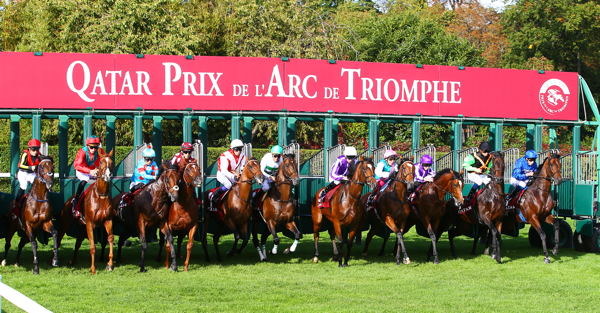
(143, 243)
(538, 227)
(34, 246)
(338, 241)
(49, 227)
(189, 246)
(89, 227)
(255, 242)
(8, 239)
(272, 229)
(433, 244)
(111, 238)
(554, 222)
(351, 236)
(169, 237)
(291, 226)
(317, 217)
(245, 235)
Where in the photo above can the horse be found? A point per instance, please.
(536, 204)
(236, 208)
(489, 210)
(183, 214)
(150, 208)
(36, 213)
(278, 208)
(345, 209)
(392, 210)
(98, 210)
(431, 206)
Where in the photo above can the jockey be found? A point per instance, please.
(184, 153)
(339, 171)
(269, 164)
(147, 170)
(28, 162)
(385, 167)
(229, 163)
(523, 171)
(477, 165)
(86, 162)
(423, 170)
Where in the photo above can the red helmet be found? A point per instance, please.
(186, 146)
(34, 143)
(92, 141)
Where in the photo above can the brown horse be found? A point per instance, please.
(489, 210)
(431, 206)
(183, 214)
(278, 208)
(98, 210)
(345, 210)
(237, 208)
(36, 213)
(536, 204)
(393, 210)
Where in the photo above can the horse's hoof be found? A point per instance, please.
(555, 251)
(93, 272)
(364, 254)
(499, 260)
(343, 265)
(55, 263)
(286, 251)
(3, 262)
(143, 270)
(398, 262)
(36, 271)
(263, 259)
(406, 261)
(486, 251)
(173, 268)
(17, 265)
(436, 261)
(547, 260)
(315, 259)
(109, 268)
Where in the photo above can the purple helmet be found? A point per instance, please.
(426, 159)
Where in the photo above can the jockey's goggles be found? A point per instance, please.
(92, 147)
(351, 157)
(393, 157)
(34, 148)
(237, 149)
(427, 164)
(187, 151)
(276, 155)
(531, 159)
(148, 159)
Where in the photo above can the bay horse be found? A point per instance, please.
(536, 204)
(393, 210)
(36, 213)
(98, 210)
(345, 210)
(431, 206)
(149, 209)
(278, 208)
(489, 210)
(237, 208)
(183, 214)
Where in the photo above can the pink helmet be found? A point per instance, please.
(389, 153)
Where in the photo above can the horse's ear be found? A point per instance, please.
(165, 166)
(110, 154)
(361, 158)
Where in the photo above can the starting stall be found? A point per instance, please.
(191, 91)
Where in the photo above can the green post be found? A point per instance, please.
(187, 127)
(36, 126)
(374, 132)
(496, 136)
(553, 138)
(87, 126)
(63, 147)
(330, 128)
(538, 137)
(235, 127)
(157, 135)
(203, 136)
(576, 148)
(291, 129)
(110, 141)
(282, 131)
(247, 129)
(138, 130)
(457, 143)
(416, 135)
(15, 149)
(534, 137)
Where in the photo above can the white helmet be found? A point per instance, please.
(350, 151)
(236, 143)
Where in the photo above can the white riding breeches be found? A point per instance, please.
(224, 180)
(25, 179)
(478, 179)
(85, 177)
(266, 185)
(515, 182)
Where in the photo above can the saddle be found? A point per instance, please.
(127, 198)
(327, 200)
(19, 204)
(514, 201)
(80, 202)
(223, 196)
(469, 205)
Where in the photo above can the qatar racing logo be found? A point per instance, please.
(554, 96)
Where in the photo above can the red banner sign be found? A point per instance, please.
(156, 82)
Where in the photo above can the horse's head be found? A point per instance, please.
(170, 179)
(288, 171)
(552, 168)
(451, 182)
(106, 166)
(45, 172)
(363, 172)
(498, 166)
(192, 175)
(252, 172)
(406, 172)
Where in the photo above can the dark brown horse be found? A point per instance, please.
(431, 206)
(278, 209)
(36, 213)
(536, 204)
(149, 209)
(345, 210)
(489, 210)
(183, 214)
(98, 210)
(237, 208)
(392, 210)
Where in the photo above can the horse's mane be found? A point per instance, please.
(445, 171)
(402, 160)
(550, 156)
(46, 157)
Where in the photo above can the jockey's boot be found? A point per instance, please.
(15, 214)
(511, 195)
(74, 211)
(371, 200)
(467, 205)
(324, 193)
(215, 197)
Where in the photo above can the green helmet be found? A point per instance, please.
(277, 149)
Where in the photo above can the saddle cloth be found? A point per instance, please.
(327, 200)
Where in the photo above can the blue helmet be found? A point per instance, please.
(530, 154)
(148, 153)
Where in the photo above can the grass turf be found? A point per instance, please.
(292, 283)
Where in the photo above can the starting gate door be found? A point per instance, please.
(294, 149)
(415, 155)
(332, 154)
(247, 150)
